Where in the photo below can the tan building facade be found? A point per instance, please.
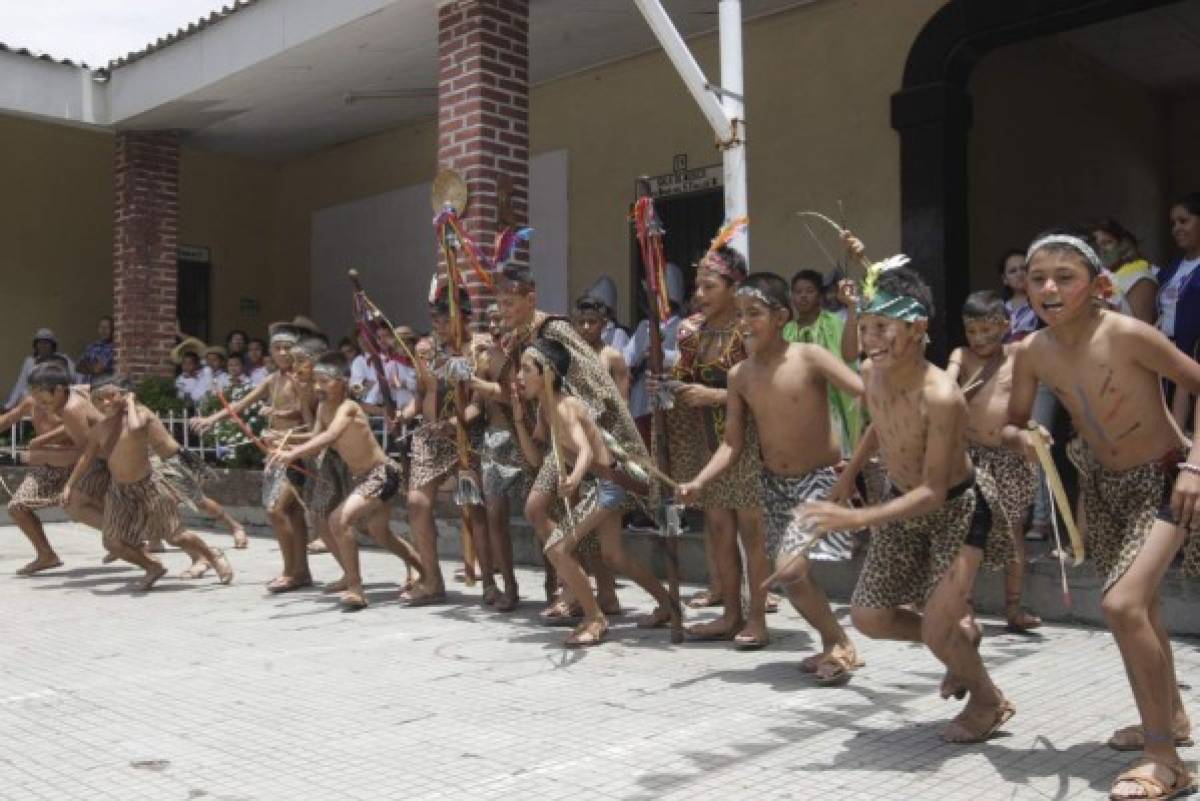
(1056, 135)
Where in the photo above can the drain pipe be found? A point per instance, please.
(723, 106)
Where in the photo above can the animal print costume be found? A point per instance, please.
(41, 488)
(785, 534)
(1121, 506)
(139, 511)
(907, 558)
(695, 433)
(381, 482)
(1015, 478)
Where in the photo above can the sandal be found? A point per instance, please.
(222, 566)
(1131, 738)
(1020, 621)
(750, 642)
(196, 570)
(587, 634)
(773, 602)
(1002, 715)
(835, 669)
(656, 619)
(240, 541)
(352, 601)
(1152, 787)
(560, 613)
(284, 584)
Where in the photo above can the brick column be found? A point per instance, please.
(483, 114)
(145, 251)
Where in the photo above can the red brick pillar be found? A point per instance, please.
(483, 114)
(145, 251)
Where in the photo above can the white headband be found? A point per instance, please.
(1069, 241)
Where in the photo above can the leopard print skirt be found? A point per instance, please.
(1015, 478)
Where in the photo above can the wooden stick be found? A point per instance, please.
(1057, 489)
(654, 471)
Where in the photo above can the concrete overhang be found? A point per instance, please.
(277, 78)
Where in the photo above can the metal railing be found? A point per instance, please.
(178, 423)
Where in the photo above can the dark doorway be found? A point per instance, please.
(690, 222)
(193, 304)
(933, 115)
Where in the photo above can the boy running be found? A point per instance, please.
(1139, 480)
(931, 529)
(781, 385)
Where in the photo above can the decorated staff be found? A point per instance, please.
(650, 242)
(367, 318)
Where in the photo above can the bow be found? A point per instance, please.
(650, 242)
(251, 436)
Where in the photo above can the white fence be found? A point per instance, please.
(179, 425)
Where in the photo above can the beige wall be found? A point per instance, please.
(56, 234)
(1059, 140)
(228, 205)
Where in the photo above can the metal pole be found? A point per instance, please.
(726, 116)
(734, 148)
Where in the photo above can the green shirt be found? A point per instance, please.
(826, 331)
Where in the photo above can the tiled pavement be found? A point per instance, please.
(201, 691)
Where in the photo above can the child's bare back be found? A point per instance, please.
(1113, 396)
(789, 401)
(902, 422)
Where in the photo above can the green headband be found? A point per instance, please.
(897, 307)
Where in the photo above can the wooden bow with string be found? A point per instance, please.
(650, 233)
(257, 441)
(367, 316)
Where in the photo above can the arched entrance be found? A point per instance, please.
(932, 113)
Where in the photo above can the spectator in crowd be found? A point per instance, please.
(604, 291)
(97, 359)
(1179, 293)
(215, 361)
(638, 348)
(815, 325)
(235, 376)
(1023, 320)
(401, 374)
(256, 365)
(45, 344)
(1136, 288)
(193, 382)
(236, 341)
(349, 349)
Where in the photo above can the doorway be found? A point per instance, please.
(194, 298)
(689, 221)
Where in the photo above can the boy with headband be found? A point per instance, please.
(281, 487)
(375, 480)
(935, 521)
(783, 387)
(1139, 480)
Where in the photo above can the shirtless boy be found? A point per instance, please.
(983, 369)
(435, 453)
(1139, 481)
(565, 423)
(784, 386)
(54, 407)
(503, 473)
(281, 487)
(137, 506)
(931, 530)
(591, 316)
(375, 480)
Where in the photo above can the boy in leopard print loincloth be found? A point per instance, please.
(1139, 479)
(783, 388)
(984, 371)
(935, 525)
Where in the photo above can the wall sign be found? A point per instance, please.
(686, 181)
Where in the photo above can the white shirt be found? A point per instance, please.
(635, 352)
(259, 375)
(403, 382)
(219, 380)
(362, 375)
(1168, 299)
(614, 336)
(21, 388)
(193, 387)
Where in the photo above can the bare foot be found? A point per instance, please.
(752, 637)
(222, 566)
(491, 593)
(352, 601)
(109, 558)
(317, 547)
(195, 570)
(240, 541)
(1020, 621)
(773, 602)
(719, 629)
(704, 599)
(978, 722)
(422, 596)
(40, 564)
(559, 613)
(151, 578)
(338, 586)
(952, 687)
(656, 619)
